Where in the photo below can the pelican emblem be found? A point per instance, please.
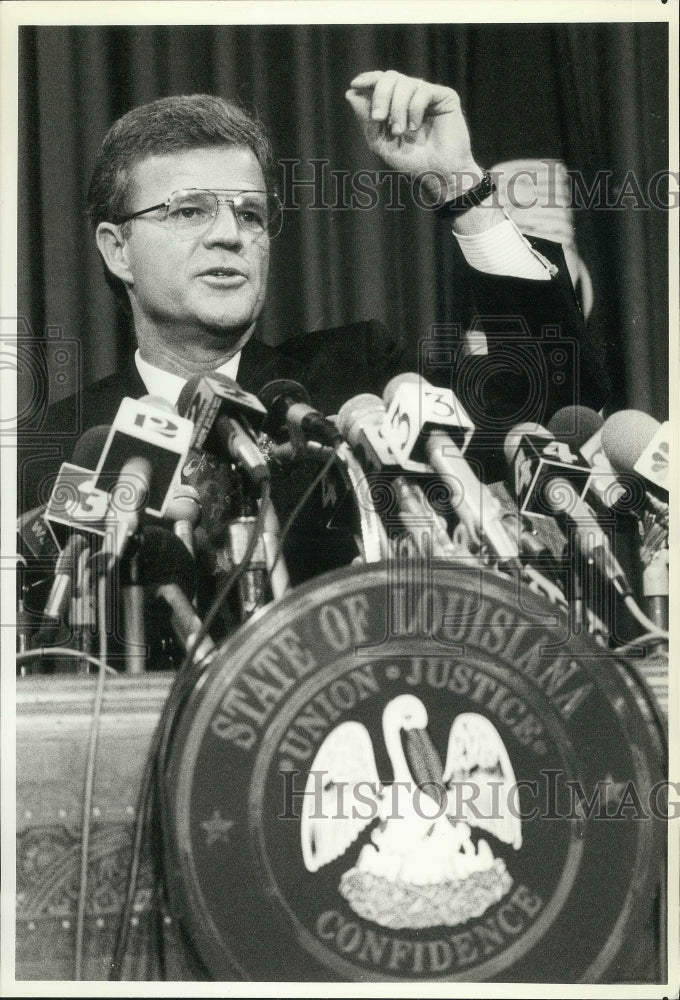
(420, 867)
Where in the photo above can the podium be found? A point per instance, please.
(227, 839)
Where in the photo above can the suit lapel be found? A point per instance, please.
(261, 363)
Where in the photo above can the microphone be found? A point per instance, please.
(414, 409)
(223, 415)
(144, 431)
(565, 502)
(132, 588)
(126, 504)
(137, 471)
(112, 515)
(654, 557)
(288, 405)
(535, 458)
(23, 627)
(73, 514)
(625, 493)
(581, 429)
(360, 421)
(634, 441)
(64, 575)
(289, 408)
(341, 509)
(35, 534)
(73, 502)
(549, 481)
(90, 445)
(76, 504)
(83, 610)
(475, 505)
(184, 510)
(78, 513)
(132, 594)
(166, 571)
(575, 426)
(637, 444)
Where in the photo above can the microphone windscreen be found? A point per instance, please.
(162, 558)
(574, 425)
(90, 445)
(398, 380)
(184, 505)
(160, 402)
(625, 435)
(280, 389)
(354, 409)
(187, 394)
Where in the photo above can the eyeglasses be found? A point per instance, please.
(189, 212)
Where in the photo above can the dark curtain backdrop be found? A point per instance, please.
(595, 96)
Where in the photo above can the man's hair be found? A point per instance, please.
(168, 125)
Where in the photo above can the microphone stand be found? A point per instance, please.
(133, 617)
(122, 524)
(276, 565)
(253, 580)
(654, 554)
(375, 544)
(83, 609)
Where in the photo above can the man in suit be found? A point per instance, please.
(195, 275)
(183, 212)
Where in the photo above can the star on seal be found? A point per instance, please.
(217, 829)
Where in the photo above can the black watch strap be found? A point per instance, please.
(474, 196)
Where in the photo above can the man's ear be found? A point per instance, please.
(114, 249)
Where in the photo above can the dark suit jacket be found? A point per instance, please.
(332, 365)
(539, 359)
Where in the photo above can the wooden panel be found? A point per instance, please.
(53, 727)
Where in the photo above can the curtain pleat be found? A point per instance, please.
(592, 95)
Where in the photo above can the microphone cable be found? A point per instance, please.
(180, 689)
(152, 805)
(89, 782)
(160, 820)
(145, 822)
(89, 785)
(648, 639)
(45, 652)
(652, 630)
(103, 669)
(156, 811)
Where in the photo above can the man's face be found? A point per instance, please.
(210, 284)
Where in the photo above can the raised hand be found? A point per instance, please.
(417, 128)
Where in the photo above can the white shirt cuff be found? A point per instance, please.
(503, 250)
